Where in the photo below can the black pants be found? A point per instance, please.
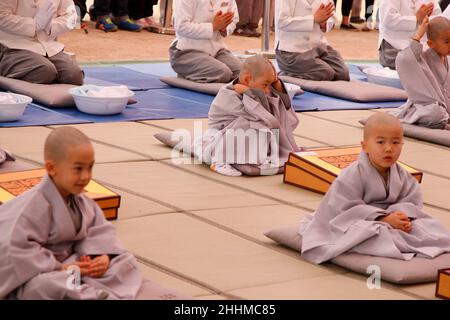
(369, 9)
(346, 7)
(118, 8)
(138, 9)
(443, 4)
(82, 5)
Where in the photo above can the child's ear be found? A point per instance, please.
(246, 79)
(50, 167)
(363, 146)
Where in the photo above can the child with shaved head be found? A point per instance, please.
(251, 122)
(374, 206)
(55, 242)
(425, 76)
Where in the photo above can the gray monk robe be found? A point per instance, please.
(265, 122)
(38, 235)
(5, 156)
(427, 83)
(345, 220)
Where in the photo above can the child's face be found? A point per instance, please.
(73, 173)
(442, 44)
(263, 82)
(383, 146)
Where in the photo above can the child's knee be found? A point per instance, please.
(342, 74)
(47, 73)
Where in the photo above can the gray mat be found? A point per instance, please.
(51, 95)
(416, 270)
(208, 88)
(357, 91)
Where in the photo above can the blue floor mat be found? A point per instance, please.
(118, 75)
(157, 100)
(39, 116)
(175, 103)
(163, 69)
(312, 101)
(160, 69)
(131, 113)
(154, 105)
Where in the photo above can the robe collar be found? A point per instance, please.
(60, 211)
(382, 191)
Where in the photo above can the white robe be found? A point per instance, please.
(193, 24)
(38, 235)
(427, 83)
(345, 219)
(398, 21)
(18, 28)
(295, 26)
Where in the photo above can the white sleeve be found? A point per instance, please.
(185, 27)
(331, 22)
(232, 26)
(66, 19)
(14, 24)
(391, 17)
(288, 22)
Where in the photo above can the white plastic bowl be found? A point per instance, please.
(292, 90)
(13, 111)
(99, 105)
(383, 77)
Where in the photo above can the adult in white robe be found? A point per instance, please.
(301, 48)
(398, 22)
(345, 220)
(39, 233)
(29, 46)
(427, 83)
(199, 53)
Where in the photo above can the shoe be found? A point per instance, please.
(147, 23)
(225, 169)
(142, 23)
(357, 20)
(348, 27)
(128, 25)
(243, 32)
(152, 22)
(106, 25)
(366, 28)
(254, 33)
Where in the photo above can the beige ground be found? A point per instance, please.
(202, 233)
(146, 46)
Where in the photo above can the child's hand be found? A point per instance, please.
(398, 220)
(276, 82)
(324, 13)
(425, 10)
(99, 266)
(240, 88)
(84, 267)
(222, 20)
(420, 32)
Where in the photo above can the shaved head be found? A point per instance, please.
(437, 27)
(380, 119)
(61, 140)
(257, 66)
